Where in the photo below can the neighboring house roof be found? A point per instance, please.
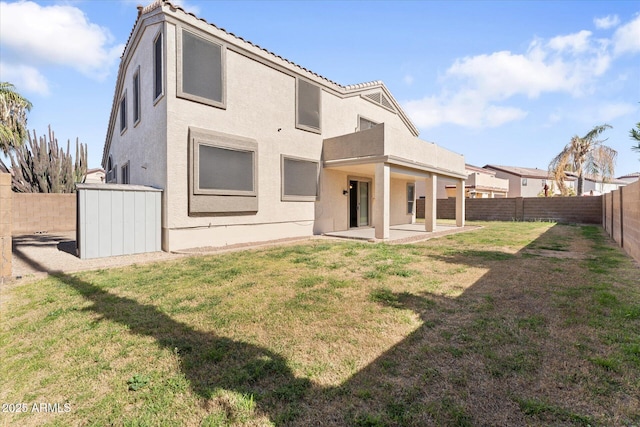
(479, 169)
(597, 178)
(94, 175)
(385, 98)
(524, 172)
(630, 175)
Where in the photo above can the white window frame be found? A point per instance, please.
(125, 173)
(180, 93)
(524, 182)
(303, 126)
(298, 198)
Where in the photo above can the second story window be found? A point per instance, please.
(136, 97)
(200, 70)
(364, 124)
(157, 67)
(308, 106)
(123, 113)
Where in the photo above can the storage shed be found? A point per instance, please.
(117, 219)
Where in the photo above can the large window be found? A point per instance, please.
(136, 97)
(157, 67)
(308, 106)
(223, 173)
(200, 69)
(123, 113)
(225, 170)
(299, 179)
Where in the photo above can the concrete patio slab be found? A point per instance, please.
(404, 233)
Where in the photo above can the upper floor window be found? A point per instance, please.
(136, 97)
(200, 69)
(364, 124)
(157, 67)
(307, 106)
(123, 113)
(524, 182)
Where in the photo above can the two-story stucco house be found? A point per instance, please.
(248, 146)
(527, 182)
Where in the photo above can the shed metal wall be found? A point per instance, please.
(118, 220)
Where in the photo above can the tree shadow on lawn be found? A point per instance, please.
(473, 361)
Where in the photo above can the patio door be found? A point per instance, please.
(359, 196)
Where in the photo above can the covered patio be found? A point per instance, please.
(389, 159)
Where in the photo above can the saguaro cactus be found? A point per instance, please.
(40, 166)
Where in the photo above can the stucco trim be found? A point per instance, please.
(211, 202)
(180, 93)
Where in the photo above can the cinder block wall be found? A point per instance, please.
(631, 219)
(36, 213)
(5, 224)
(561, 209)
(622, 218)
(586, 210)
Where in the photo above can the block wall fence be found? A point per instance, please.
(43, 213)
(587, 210)
(29, 213)
(5, 225)
(621, 218)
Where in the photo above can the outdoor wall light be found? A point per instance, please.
(345, 192)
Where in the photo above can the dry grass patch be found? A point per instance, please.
(479, 328)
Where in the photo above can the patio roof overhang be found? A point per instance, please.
(408, 156)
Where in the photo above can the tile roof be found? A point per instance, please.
(143, 10)
(523, 172)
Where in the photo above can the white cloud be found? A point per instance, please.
(466, 109)
(606, 22)
(626, 39)
(574, 43)
(475, 89)
(611, 111)
(24, 78)
(186, 5)
(57, 34)
(408, 79)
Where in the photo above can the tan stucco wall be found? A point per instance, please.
(398, 206)
(142, 145)
(260, 105)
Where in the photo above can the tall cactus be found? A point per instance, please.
(40, 166)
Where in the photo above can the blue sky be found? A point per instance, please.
(501, 82)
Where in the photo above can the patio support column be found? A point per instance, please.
(431, 190)
(460, 213)
(382, 201)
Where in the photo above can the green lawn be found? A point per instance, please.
(512, 324)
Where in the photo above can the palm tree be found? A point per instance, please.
(635, 134)
(13, 117)
(582, 155)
